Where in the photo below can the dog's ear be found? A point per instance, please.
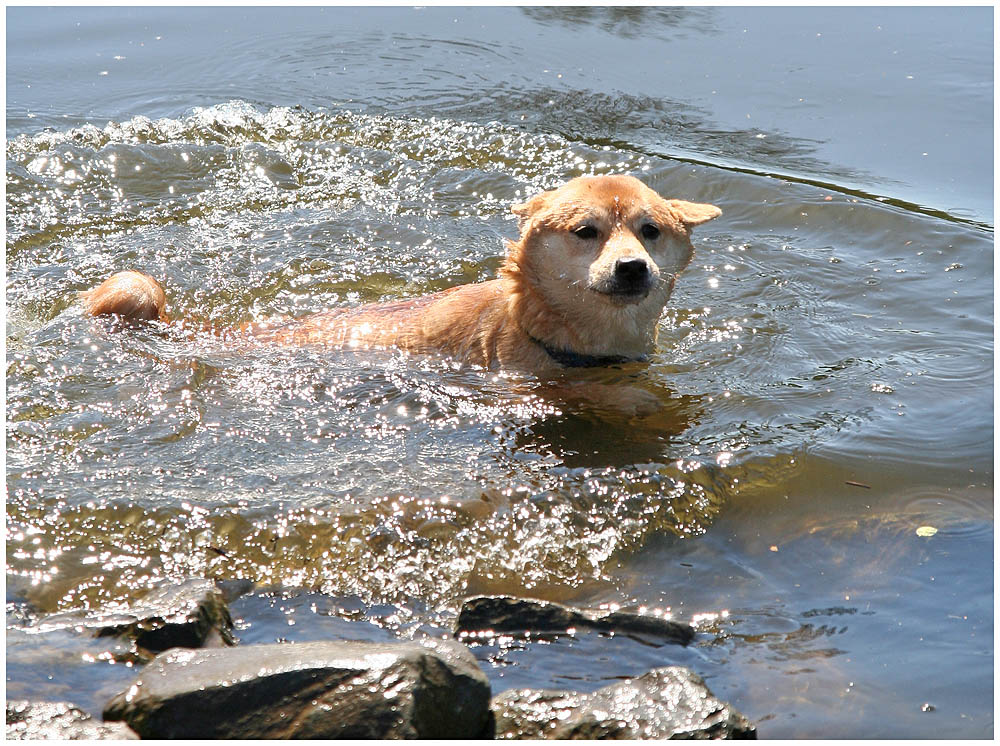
(693, 213)
(526, 210)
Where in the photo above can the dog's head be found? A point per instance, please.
(608, 240)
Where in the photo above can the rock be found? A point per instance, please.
(189, 614)
(310, 690)
(234, 588)
(664, 703)
(509, 614)
(59, 721)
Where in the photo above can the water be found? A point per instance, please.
(825, 366)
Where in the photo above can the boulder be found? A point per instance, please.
(434, 689)
(189, 614)
(59, 721)
(509, 614)
(670, 702)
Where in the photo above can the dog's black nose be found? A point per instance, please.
(631, 271)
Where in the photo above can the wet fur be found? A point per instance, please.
(129, 294)
(556, 290)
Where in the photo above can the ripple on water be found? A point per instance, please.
(147, 454)
(958, 514)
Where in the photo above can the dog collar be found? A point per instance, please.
(570, 359)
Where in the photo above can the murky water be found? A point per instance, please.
(825, 366)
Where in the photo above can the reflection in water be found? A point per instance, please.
(605, 428)
(628, 22)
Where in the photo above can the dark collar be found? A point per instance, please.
(570, 359)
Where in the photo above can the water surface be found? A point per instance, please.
(815, 493)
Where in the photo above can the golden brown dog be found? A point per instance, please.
(585, 284)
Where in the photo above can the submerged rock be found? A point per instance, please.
(509, 614)
(87, 656)
(68, 665)
(310, 690)
(189, 614)
(664, 703)
(59, 721)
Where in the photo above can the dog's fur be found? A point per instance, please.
(585, 283)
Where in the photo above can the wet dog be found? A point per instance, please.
(584, 285)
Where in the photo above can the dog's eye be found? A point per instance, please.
(586, 232)
(650, 231)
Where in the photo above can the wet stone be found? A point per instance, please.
(670, 702)
(509, 614)
(59, 721)
(66, 664)
(189, 614)
(235, 588)
(434, 689)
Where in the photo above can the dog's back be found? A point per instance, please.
(462, 322)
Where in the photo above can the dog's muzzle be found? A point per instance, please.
(630, 282)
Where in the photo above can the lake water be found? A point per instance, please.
(816, 493)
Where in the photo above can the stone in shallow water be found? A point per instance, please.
(59, 721)
(509, 614)
(670, 702)
(310, 690)
(67, 665)
(188, 614)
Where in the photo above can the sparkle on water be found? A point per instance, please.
(153, 452)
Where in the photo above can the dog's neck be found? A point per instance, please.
(571, 359)
(562, 341)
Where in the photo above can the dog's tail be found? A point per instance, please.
(129, 295)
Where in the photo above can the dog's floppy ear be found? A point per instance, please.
(525, 210)
(693, 213)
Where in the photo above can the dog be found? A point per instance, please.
(584, 285)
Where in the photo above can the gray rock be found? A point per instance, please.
(310, 690)
(189, 614)
(59, 721)
(509, 614)
(234, 588)
(664, 703)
